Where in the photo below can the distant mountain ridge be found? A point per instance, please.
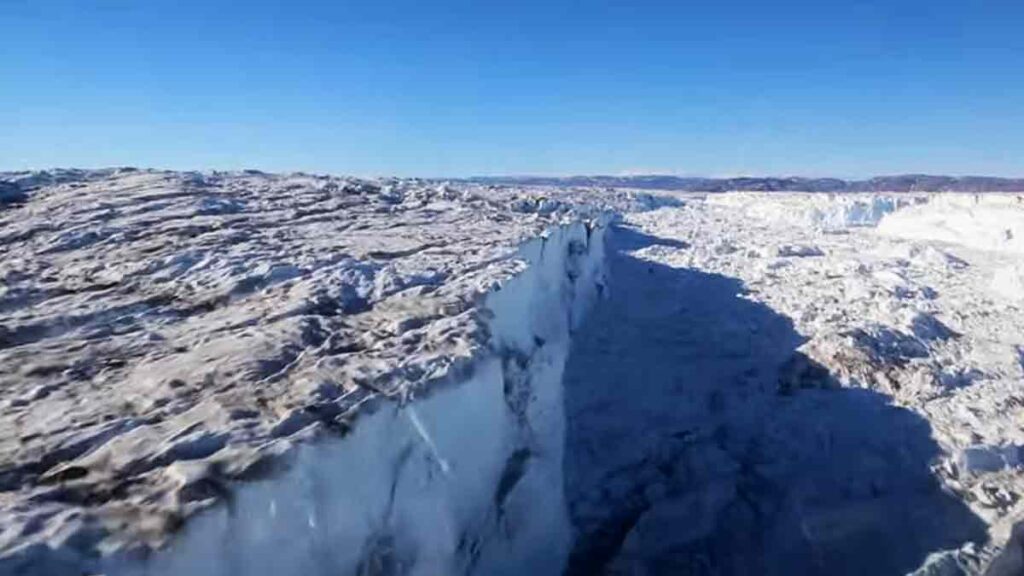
(899, 183)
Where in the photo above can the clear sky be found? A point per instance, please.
(449, 88)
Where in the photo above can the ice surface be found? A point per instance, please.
(992, 222)
(830, 212)
(164, 334)
(318, 373)
(785, 399)
(1008, 281)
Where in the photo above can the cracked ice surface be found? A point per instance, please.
(772, 385)
(794, 391)
(161, 332)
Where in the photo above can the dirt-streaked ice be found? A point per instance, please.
(167, 337)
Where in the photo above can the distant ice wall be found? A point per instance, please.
(993, 222)
(828, 212)
(467, 480)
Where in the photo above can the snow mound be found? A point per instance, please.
(990, 222)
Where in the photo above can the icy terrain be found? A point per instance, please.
(165, 334)
(242, 373)
(786, 390)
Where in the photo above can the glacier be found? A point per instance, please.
(248, 373)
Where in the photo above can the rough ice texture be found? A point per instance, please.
(830, 212)
(769, 385)
(909, 322)
(887, 184)
(165, 333)
(466, 480)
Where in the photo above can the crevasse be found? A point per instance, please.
(467, 480)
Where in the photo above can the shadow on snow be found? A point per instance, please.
(683, 457)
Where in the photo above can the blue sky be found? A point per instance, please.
(483, 87)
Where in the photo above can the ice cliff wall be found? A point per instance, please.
(466, 480)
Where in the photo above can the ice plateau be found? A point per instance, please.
(248, 373)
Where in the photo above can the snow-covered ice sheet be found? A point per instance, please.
(830, 212)
(767, 383)
(163, 334)
(993, 222)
